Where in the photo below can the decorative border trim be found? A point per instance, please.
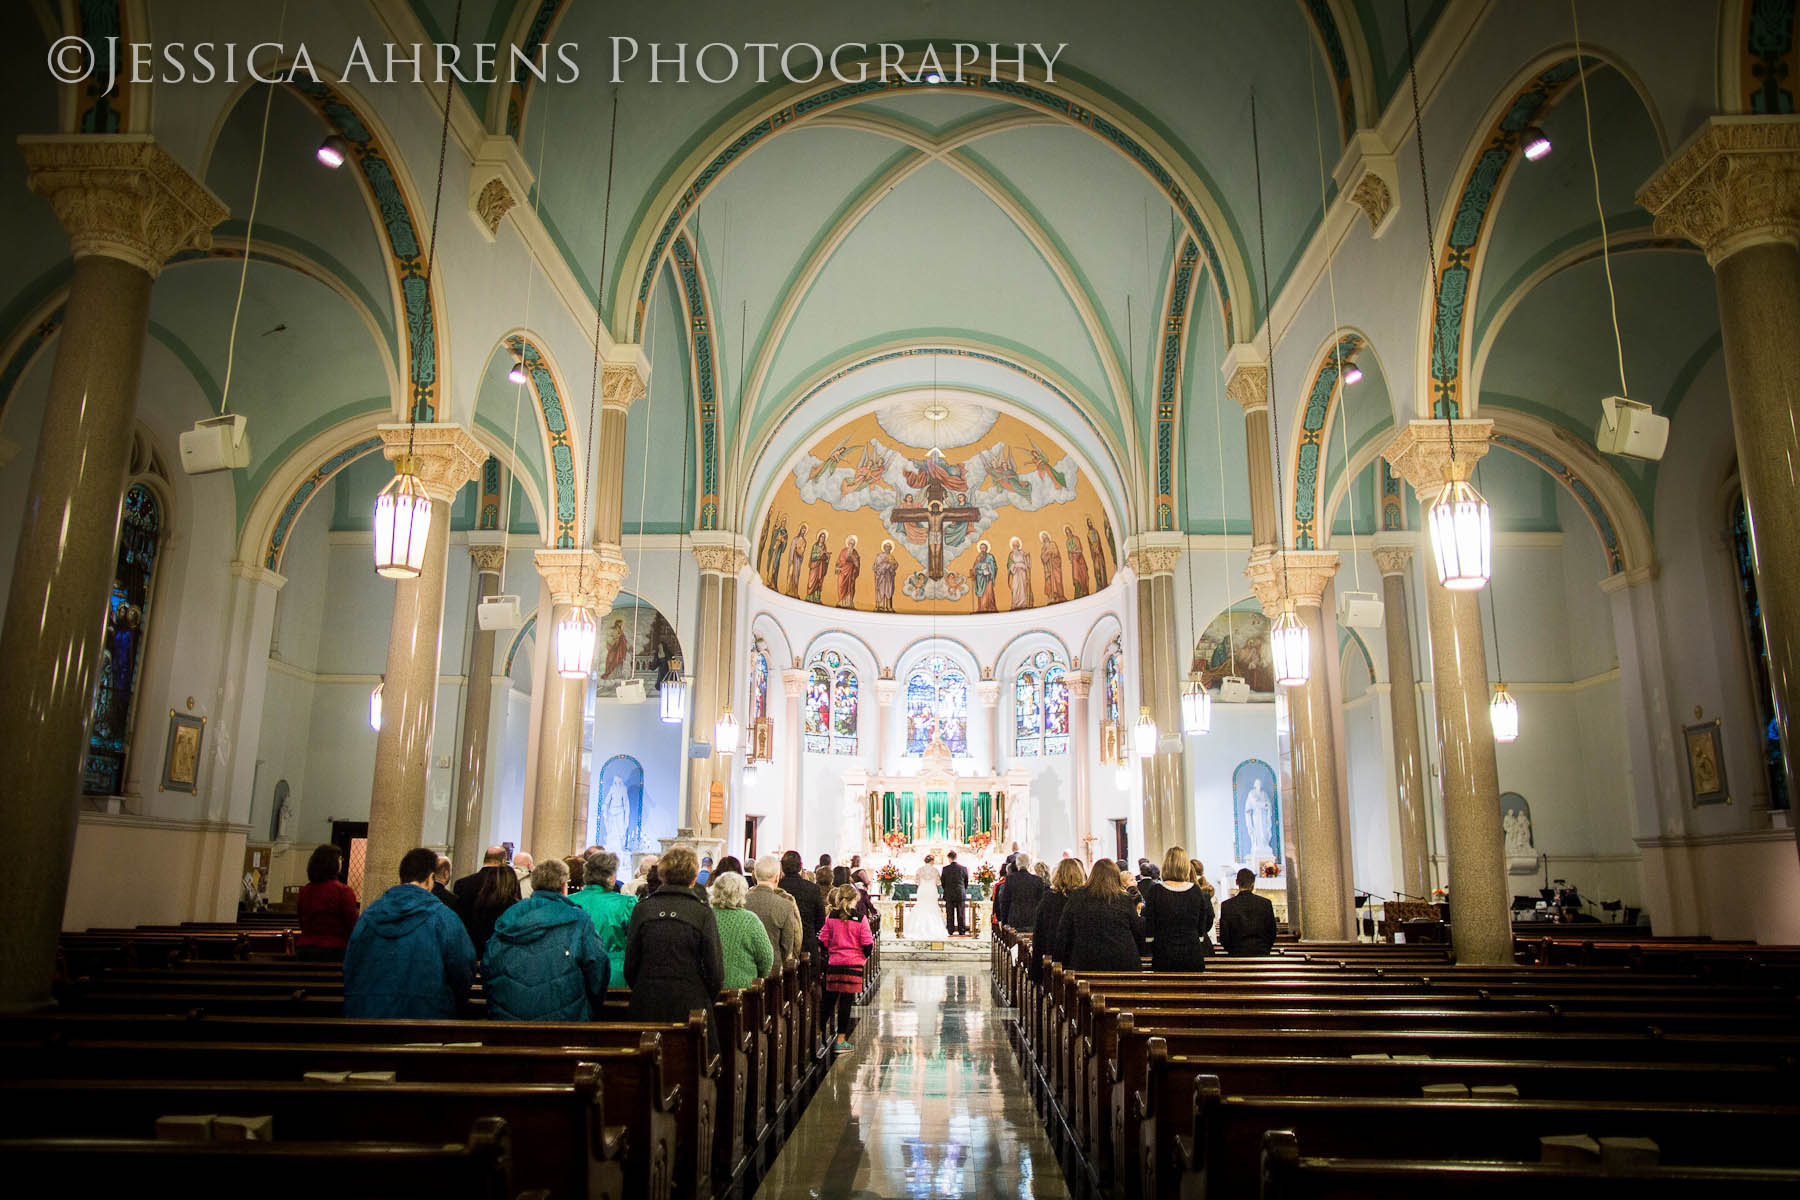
(696, 300)
(1168, 398)
(1331, 42)
(1771, 56)
(547, 15)
(560, 448)
(1393, 502)
(296, 502)
(487, 516)
(1309, 454)
(525, 630)
(1578, 487)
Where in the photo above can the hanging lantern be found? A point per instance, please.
(725, 733)
(751, 773)
(375, 706)
(1196, 708)
(516, 374)
(1503, 714)
(1143, 734)
(1462, 536)
(576, 637)
(672, 696)
(1291, 647)
(1124, 775)
(402, 523)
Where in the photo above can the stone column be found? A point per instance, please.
(1321, 823)
(622, 381)
(446, 456)
(720, 556)
(1080, 748)
(1167, 811)
(1734, 190)
(126, 206)
(1480, 905)
(987, 693)
(793, 683)
(574, 577)
(249, 634)
(1395, 560)
(487, 553)
(1247, 382)
(887, 691)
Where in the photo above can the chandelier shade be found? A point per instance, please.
(402, 523)
(1503, 714)
(672, 698)
(1143, 734)
(1462, 536)
(1290, 646)
(577, 635)
(1124, 775)
(375, 706)
(1196, 708)
(725, 733)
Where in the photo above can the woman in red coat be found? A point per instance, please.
(328, 909)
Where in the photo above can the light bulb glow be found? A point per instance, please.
(752, 773)
(1462, 537)
(672, 699)
(1352, 374)
(1124, 775)
(1290, 645)
(1143, 734)
(1503, 714)
(375, 706)
(725, 734)
(1196, 709)
(402, 523)
(517, 373)
(577, 635)
(1535, 142)
(333, 152)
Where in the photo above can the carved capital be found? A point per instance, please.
(1736, 183)
(1247, 378)
(793, 682)
(719, 552)
(1153, 554)
(987, 691)
(1298, 575)
(1080, 683)
(887, 691)
(499, 181)
(445, 455)
(1367, 175)
(590, 577)
(122, 196)
(1422, 454)
(1393, 560)
(623, 382)
(485, 556)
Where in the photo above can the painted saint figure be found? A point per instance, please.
(795, 561)
(1078, 572)
(987, 574)
(849, 568)
(777, 548)
(1018, 572)
(886, 568)
(616, 648)
(1053, 577)
(817, 563)
(1102, 576)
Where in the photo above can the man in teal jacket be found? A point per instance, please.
(544, 962)
(408, 956)
(609, 909)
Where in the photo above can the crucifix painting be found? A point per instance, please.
(926, 523)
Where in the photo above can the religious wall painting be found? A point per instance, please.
(619, 811)
(1236, 642)
(1706, 763)
(181, 753)
(636, 642)
(925, 506)
(1257, 817)
(937, 706)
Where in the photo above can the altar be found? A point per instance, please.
(937, 808)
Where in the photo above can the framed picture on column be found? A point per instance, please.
(181, 754)
(1706, 763)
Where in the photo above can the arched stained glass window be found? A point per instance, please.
(1769, 737)
(831, 696)
(937, 705)
(1113, 700)
(759, 683)
(122, 653)
(1041, 707)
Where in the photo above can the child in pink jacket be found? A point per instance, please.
(847, 945)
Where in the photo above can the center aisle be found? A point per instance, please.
(930, 1104)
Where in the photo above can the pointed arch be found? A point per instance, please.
(696, 302)
(562, 462)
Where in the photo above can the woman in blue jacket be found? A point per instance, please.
(544, 961)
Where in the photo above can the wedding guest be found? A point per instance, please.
(1247, 921)
(807, 898)
(779, 914)
(1069, 876)
(328, 908)
(1177, 915)
(544, 961)
(608, 909)
(1100, 928)
(409, 958)
(847, 942)
(742, 938)
(673, 961)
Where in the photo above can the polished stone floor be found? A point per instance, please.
(930, 1104)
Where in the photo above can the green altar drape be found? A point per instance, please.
(937, 815)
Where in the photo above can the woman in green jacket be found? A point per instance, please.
(748, 954)
(608, 908)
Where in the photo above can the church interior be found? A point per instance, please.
(1352, 440)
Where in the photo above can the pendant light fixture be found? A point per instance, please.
(1352, 373)
(1503, 710)
(1458, 518)
(1196, 708)
(333, 152)
(516, 375)
(1144, 735)
(672, 693)
(725, 732)
(1124, 775)
(1196, 700)
(375, 705)
(403, 508)
(1290, 644)
(1534, 143)
(577, 637)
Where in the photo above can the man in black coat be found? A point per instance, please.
(955, 881)
(1247, 921)
(673, 959)
(1018, 901)
(808, 899)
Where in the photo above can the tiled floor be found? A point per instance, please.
(930, 1104)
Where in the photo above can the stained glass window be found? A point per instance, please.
(759, 684)
(1041, 707)
(831, 695)
(122, 654)
(1770, 739)
(1114, 698)
(937, 704)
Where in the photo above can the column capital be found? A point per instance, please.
(987, 691)
(887, 690)
(1734, 184)
(1421, 453)
(121, 195)
(591, 577)
(1393, 556)
(1634, 578)
(487, 551)
(1247, 377)
(793, 682)
(719, 552)
(624, 378)
(446, 455)
(258, 574)
(1299, 575)
(1153, 554)
(1080, 683)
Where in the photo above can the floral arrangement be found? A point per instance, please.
(889, 874)
(894, 839)
(984, 874)
(1269, 868)
(980, 840)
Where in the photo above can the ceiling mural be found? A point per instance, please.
(936, 505)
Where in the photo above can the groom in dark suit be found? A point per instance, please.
(955, 882)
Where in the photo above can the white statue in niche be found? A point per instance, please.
(615, 815)
(1518, 834)
(1259, 822)
(284, 813)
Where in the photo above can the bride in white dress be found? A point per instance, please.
(926, 920)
